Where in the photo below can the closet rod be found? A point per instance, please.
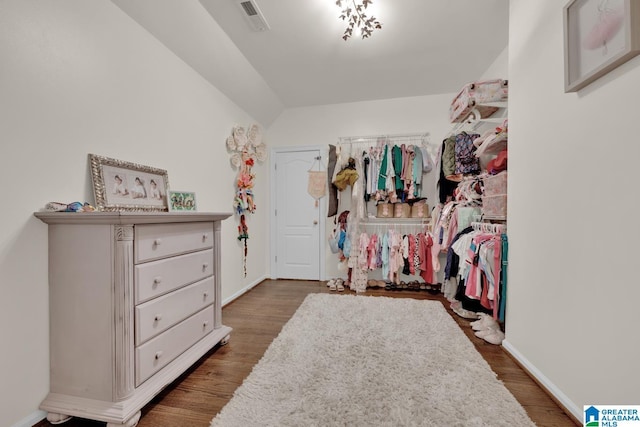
(408, 220)
(375, 138)
(404, 229)
(489, 228)
(426, 223)
(385, 222)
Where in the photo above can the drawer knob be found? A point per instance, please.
(158, 355)
(157, 242)
(206, 295)
(158, 317)
(205, 266)
(157, 280)
(205, 237)
(205, 324)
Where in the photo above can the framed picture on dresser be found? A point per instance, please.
(181, 201)
(119, 185)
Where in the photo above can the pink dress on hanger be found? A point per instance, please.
(395, 254)
(412, 253)
(372, 258)
(363, 249)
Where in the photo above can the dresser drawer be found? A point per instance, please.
(155, 354)
(154, 241)
(155, 278)
(160, 314)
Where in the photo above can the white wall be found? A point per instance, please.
(189, 30)
(573, 289)
(82, 77)
(323, 125)
(499, 69)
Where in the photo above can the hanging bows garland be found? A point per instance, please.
(246, 148)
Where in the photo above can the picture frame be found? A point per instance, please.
(599, 36)
(181, 201)
(119, 185)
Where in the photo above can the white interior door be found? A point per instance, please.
(297, 217)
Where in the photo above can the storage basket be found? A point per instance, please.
(474, 94)
(495, 184)
(420, 210)
(384, 210)
(402, 210)
(495, 206)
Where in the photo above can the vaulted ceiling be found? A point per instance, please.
(425, 47)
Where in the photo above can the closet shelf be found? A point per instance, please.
(497, 104)
(492, 150)
(402, 223)
(388, 221)
(475, 119)
(495, 217)
(498, 120)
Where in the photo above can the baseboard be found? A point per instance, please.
(244, 290)
(31, 420)
(567, 405)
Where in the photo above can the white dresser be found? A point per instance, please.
(134, 301)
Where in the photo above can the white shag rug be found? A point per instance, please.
(346, 360)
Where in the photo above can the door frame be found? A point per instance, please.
(322, 206)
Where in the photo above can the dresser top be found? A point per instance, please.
(128, 218)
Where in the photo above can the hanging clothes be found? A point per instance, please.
(417, 171)
(466, 161)
(397, 166)
(385, 255)
(347, 176)
(445, 166)
(453, 260)
(481, 270)
(426, 267)
(367, 175)
(372, 252)
(384, 170)
(333, 191)
(503, 276)
(412, 252)
(363, 250)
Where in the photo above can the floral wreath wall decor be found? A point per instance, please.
(245, 148)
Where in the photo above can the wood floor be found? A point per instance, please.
(256, 318)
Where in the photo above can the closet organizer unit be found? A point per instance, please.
(487, 122)
(470, 219)
(368, 220)
(134, 300)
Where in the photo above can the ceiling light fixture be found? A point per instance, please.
(353, 11)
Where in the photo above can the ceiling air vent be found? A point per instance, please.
(252, 14)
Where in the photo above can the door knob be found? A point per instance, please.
(315, 222)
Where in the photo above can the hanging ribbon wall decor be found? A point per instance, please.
(246, 148)
(317, 185)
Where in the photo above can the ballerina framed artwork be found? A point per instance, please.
(599, 36)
